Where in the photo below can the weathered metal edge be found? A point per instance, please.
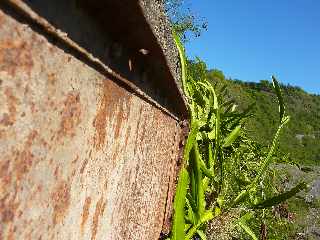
(155, 16)
(26, 11)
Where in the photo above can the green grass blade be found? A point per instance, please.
(182, 61)
(277, 89)
(232, 136)
(179, 205)
(198, 188)
(207, 172)
(210, 157)
(282, 197)
(241, 196)
(243, 224)
(268, 159)
(248, 230)
(202, 235)
(191, 140)
(207, 216)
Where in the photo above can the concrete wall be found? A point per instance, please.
(81, 157)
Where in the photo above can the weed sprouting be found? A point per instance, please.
(222, 169)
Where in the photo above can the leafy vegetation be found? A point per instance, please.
(237, 178)
(300, 142)
(183, 20)
(223, 168)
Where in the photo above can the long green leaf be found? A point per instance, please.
(282, 197)
(202, 235)
(179, 204)
(191, 139)
(232, 136)
(197, 186)
(207, 216)
(248, 230)
(243, 224)
(268, 159)
(182, 61)
(277, 88)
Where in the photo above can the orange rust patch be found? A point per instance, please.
(24, 159)
(75, 160)
(8, 208)
(56, 172)
(119, 120)
(2, 20)
(23, 162)
(112, 100)
(5, 176)
(52, 78)
(31, 138)
(2, 133)
(7, 215)
(100, 123)
(95, 221)
(11, 233)
(8, 119)
(61, 201)
(85, 212)
(15, 55)
(71, 114)
(84, 165)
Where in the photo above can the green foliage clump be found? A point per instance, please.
(183, 20)
(223, 168)
(300, 142)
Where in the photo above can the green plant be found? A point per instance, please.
(222, 167)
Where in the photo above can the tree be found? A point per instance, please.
(183, 20)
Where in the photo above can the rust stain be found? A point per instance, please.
(85, 212)
(7, 215)
(31, 138)
(8, 207)
(100, 122)
(24, 159)
(103, 208)
(11, 233)
(61, 200)
(15, 54)
(106, 184)
(75, 160)
(127, 135)
(5, 176)
(71, 114)
(2, 20)
(23, 162)
(84, 165)
(119, 120)
(95, 221)
(2, 134)
(8, 119)
(112, 99)
(52, 78)
(56, 173)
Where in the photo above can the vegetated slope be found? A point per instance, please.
(301, 140)
(300, 143)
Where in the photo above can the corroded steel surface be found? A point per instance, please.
(80, 157)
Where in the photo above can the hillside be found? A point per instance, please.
(300, 144)
(301, 140)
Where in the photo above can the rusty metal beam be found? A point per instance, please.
(24, 9)
(81, 156)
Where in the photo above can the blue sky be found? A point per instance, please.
(252, 39)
